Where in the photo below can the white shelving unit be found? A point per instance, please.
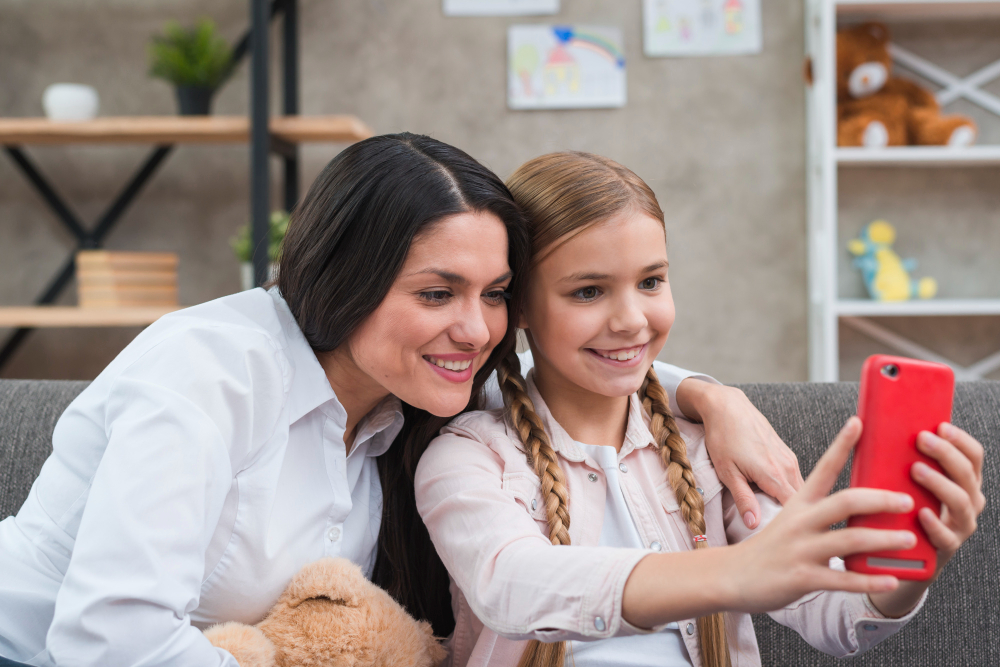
(826, 309)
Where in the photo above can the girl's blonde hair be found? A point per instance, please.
(563, 194)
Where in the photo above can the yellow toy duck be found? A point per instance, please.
(886, 275)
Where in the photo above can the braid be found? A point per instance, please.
(673, 454)
(540, 455)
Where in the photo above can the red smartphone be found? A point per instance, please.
(899, 398)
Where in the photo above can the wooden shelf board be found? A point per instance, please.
(73, 316)
(178, 130)
(917, 9)
(919, 156)
(928, 308)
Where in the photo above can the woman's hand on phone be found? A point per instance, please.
(960, 491)
(790, 557)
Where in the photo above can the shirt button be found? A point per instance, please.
(599, 624)
(655, 546)
(690, 628)
(534, 504)
(334, 534)
(623, 467)
(592, 477)
(701, 490)
(870, 627)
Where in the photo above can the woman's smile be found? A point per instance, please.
(454, 367)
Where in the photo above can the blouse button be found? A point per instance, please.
(871, 627)
(701, 490)
(690, 628)
(534, 504)
(334, 534)
(623, 467)
(656, 546)
(592, 477)
(599, 624)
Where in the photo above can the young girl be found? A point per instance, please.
(588, 454)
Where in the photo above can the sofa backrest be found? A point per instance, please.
(958, 625)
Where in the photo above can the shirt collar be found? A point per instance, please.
(310, 389)
(637, 434)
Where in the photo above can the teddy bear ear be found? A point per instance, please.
(878, 31)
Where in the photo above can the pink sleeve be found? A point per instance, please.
(516, 582)
(834, 622)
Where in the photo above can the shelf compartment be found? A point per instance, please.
(919, 156)
(917, 9)
(928, 308)
(74, 316)
(178, 130)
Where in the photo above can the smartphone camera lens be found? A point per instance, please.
(890, 371)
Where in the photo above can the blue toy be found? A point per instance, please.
(886, 275)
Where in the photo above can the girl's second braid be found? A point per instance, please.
(673, 454)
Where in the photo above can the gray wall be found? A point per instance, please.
(720, 140)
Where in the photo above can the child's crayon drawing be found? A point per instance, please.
(701, 27)
(565, 67)
(500, 7)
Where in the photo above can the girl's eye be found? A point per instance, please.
(496, 297)
(650, 283)
(435, 296)
(587, 293)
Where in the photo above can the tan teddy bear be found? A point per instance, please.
(330, 615)
(875, 109)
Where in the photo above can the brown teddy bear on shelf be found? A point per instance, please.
(330, 615)
(875, 109)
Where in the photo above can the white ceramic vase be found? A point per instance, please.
(70, 102)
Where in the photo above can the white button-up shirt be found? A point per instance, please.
(187, 485)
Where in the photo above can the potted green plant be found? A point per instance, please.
(195, 59)
(244, 249)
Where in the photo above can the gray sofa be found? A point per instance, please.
(958, 626)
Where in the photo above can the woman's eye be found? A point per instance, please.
(496, 297)
(587, 293)
(435, 296)
(650, 283)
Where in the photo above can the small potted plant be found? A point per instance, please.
(196, 60)
(244, 250)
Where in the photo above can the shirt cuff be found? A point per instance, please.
(671, 376)
(873, 627)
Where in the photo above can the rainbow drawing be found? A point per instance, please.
(569, 36)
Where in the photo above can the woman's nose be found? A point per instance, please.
(471, 328)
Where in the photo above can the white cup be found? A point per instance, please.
(70, 101)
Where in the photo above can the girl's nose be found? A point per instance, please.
(628, 317)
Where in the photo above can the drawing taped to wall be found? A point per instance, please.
(565, 67)
(499, 7)
(701, 27)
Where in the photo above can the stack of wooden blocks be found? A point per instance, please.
(126, 279)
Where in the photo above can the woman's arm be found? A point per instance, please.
(743, 446)
(178, 421)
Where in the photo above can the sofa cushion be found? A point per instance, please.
(958, 623)
(29, 410)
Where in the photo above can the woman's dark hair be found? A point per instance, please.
(346, 243)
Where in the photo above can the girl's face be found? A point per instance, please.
(442, 317)
(599, 306)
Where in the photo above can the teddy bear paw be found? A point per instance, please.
(246, 643)
(876, 135)
(962, 136)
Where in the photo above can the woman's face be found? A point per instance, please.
(442, 317)
(599, 308)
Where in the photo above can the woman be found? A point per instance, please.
(233, 442)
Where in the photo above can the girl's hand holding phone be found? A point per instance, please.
(962, 501)
(790, 557)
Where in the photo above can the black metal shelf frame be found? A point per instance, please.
(254, 41)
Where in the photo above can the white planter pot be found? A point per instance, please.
(70, 102)
(246, 274)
